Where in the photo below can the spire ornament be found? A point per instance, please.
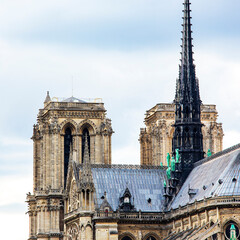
(86, 176)
(86, 151)
(48, 98)
(188, 127)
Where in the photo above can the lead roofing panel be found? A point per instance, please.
(142, 183)
(217, 177)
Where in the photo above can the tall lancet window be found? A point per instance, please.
(67, 144)
(85, 134)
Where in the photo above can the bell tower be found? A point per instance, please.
(61, 126)
(187, 135)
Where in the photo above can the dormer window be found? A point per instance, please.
(126, 200)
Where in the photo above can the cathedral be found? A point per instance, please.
(185, 188)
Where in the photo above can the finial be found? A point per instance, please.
(47, 99)
(86, 151)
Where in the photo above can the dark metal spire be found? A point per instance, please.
(187, 85)
(188, 128)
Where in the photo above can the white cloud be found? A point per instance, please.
(130, 82)
(14, 226)
(127, 155)
(14, 189)
(15, 141)
(231, 138)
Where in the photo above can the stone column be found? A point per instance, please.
(90, 201)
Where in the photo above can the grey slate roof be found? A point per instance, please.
(73, 99)
(143, 183)
(218, 176)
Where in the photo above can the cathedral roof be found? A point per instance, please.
(218, 175)
(214, 176)
(73, 99)
(143, 183)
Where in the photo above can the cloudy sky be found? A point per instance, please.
(123, 51)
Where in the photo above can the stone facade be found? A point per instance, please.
(63, 208)
(207, 219)
(79, 195)
(61, 127)
(156, 138)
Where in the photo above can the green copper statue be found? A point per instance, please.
(168, 160)
(177, 156)
(173, 166)
(209, 153)
(161, 164)
(233, 233)
(165, 184)
(168, 172)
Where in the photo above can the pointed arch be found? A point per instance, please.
(126, 235)
(68, 123)
(90, 125)
(68, 129)
(227, 226)
(151, 234)
(89, 232)
(87, 128)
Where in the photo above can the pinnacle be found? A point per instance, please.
(86, 151)
(47, 99)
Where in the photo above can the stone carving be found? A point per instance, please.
(73, 196)
(73, 232)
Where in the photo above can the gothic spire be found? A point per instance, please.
(187, 88)
(188, 128)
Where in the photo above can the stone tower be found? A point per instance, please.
(156, 138)
(188, 127)
(62, 126)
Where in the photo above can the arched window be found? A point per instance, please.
(126, 238)
(151, 238)
(231, 228)
(85, 134)
(67, 144)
